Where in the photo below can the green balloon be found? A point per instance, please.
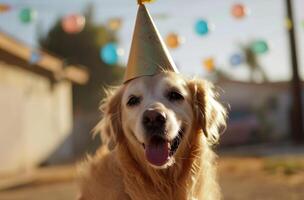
(259, 47)
(26, 15)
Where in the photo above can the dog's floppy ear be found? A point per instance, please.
(110, 127)
(209, 113)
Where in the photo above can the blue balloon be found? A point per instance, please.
(236, 59)
(35, 57)
(109, 54)
(201, 27)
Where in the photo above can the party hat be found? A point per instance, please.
(149, 54)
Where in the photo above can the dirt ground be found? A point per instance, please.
(240, 179)
(262, 179)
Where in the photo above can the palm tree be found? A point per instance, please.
(251, 58)
(84, 49)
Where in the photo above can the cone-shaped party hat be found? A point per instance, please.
(149, 54)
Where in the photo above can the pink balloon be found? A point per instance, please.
(73, 23)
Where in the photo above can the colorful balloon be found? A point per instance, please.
(4, 8)
(236, 59)
(259, 47)
(73, 23)
(110, 53)
(173, 40)
(35, 57)
(238, 11)
(114, 24)
(209, 64)
(288, 23)
(27, 15)
(201, 27)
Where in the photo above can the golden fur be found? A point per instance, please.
(122, 173)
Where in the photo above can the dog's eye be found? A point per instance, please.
(174, 96)
(133, 101)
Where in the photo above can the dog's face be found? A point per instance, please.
(157, 115)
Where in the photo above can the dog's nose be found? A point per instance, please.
(154, 120)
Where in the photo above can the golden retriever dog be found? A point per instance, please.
(158, 133)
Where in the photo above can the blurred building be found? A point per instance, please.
(259, 112)
(35, 104)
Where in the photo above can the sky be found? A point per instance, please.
(266, 21)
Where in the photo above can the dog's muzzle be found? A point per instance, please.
(158, 148)
(154, 121)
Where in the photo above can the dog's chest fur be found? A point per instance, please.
(184, 182)
(117, 176)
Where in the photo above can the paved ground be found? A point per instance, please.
(241, 178)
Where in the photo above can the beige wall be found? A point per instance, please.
(35, 117)
(240, 96)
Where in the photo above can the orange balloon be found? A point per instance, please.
(73, 23)
(4, 8)
(209, 64)
(114, 24)
(238, 11)
(173, 40)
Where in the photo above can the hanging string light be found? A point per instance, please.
(173, 40)
(4, 8)
(209, 64)
(202, 27)
(236, 59)
(110, 53)
(114, 24)
(27, 15)
(259, 47)
(239, 11)
(73, 23)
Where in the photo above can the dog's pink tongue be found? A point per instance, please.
(157, 151)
